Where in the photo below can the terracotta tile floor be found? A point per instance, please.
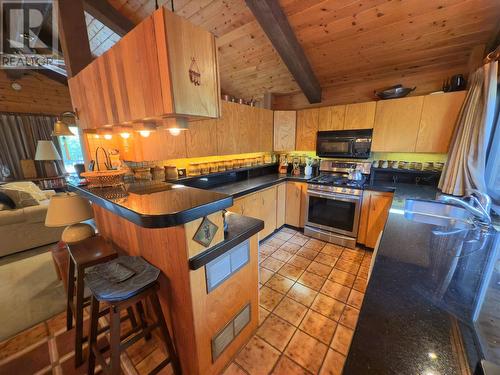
(47, 348)
(310, 296)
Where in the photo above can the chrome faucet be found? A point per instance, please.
(477, 203)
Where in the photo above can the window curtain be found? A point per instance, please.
(19, 135)
(466, 166)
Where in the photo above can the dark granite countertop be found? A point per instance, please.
(416, 316)
(250, 185)
(157, 204)
(239, 228)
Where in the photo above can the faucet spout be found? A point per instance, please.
(480, 210)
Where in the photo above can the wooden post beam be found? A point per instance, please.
(73, 36)
(273, 21)
(104, 12)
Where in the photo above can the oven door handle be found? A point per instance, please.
(339, 197)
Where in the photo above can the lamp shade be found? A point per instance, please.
(45, 150)
(67, 209)
(61, 129)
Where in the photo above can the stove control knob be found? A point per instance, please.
(344, 190)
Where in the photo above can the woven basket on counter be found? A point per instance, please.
(101, 179)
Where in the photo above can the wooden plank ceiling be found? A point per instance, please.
(354, 46)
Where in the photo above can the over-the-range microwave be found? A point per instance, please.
(352, 144)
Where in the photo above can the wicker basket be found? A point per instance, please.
(101, 179)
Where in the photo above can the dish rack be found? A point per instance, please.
(107, 178)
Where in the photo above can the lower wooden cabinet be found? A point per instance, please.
(374, 212)
(280, 204)
(261, 205)
(277, 205)
(295, 210)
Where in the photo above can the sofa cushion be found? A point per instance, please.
(36, 214)
(6, 201)
(28, 187)
(21, 198)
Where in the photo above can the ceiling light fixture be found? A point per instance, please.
(145, 129)
(176, 125)
(60, 127)
(16, 86)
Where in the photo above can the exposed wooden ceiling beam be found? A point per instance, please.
(73, 36)
(104, 12)
(273, 21)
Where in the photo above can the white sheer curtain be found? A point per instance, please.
(466, 166)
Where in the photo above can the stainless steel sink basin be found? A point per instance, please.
(437, 213)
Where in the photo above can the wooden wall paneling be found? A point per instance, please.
(266, 129)
(284, 130)
(214, 310)
(307, 127)
(439, 116)
(360, 115)
(293, 203)
(331, 117)
(78, 102)
(268, 210)
(93, 96)
(166, 249)
(186, 42)
(280, 204)
(396, 124)
(194, 248)
(201, 138)
(227, 130)
(108, 91)
(114, 69)
(138, 51)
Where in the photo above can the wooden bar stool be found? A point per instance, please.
(121, 283)
(83, 255)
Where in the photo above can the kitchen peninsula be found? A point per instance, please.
(209, 294)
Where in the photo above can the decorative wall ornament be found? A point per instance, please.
(194, 73)
(206, 232)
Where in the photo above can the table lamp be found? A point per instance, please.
(69, 210)
(47, 152)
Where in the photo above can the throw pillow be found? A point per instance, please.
(6, 201)
(20, 198)
(28, 187)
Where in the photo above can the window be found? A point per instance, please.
(71, 150)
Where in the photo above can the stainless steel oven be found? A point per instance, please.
(333, 214)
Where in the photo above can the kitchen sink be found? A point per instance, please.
(438, 213)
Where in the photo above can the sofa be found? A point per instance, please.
(23, 228)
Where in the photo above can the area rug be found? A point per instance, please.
(30, 291)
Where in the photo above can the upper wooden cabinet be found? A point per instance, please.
(439, 116)
(331, 118)
(201, 138)
(284, 130)
(242, 129)
(396, 124)
(266, 129)
(149, 74)
(307, 128)
(359, 115)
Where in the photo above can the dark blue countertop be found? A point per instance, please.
(416, 316)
